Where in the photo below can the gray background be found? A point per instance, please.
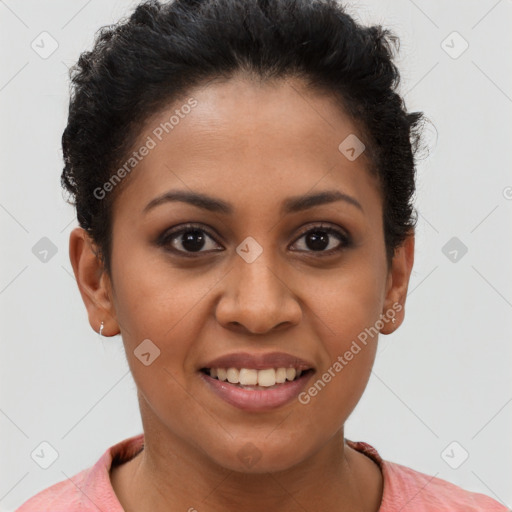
(444, 376)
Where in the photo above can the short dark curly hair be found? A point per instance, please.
(143, 63)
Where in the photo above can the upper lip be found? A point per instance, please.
(259, 361)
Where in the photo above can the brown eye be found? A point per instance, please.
(188, 240)
(324, 239)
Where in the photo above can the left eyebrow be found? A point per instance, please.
(300, 203)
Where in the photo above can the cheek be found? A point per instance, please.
(348, 300)
(346, 311)
(157, 311)
(153, 299)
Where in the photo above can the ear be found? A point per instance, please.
(398, 283)
(93, 282)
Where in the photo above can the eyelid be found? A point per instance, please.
(319, 225)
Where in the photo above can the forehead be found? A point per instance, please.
(247, 139)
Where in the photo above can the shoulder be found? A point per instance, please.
(89, 490)
(410, 490)
(407, 490)
(60, 497)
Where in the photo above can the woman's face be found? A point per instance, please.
(258, 276)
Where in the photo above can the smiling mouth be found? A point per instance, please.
(248, 378)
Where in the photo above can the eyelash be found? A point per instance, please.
(344, 239)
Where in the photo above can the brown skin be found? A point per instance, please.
(252, 145)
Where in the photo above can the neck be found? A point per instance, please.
(334, 478)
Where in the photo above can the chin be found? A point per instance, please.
(258, 457)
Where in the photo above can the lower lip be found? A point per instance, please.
(256, 400)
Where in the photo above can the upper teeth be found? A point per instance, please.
(250, 377)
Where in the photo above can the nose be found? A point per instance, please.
(256, 298)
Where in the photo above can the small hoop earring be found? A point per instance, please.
(101, 329)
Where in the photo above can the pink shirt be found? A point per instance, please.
(404, 490)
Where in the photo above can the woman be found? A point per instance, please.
(243, 174)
